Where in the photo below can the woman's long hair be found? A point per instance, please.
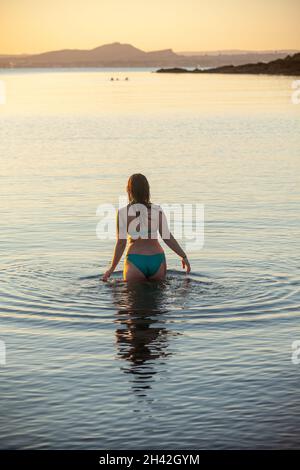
(138, 190)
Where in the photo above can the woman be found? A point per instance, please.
(138, 223)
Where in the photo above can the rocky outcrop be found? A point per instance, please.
(290, 65)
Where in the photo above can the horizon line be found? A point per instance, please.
(195, 51)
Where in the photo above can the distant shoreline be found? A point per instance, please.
(82, 69)
(289, 66)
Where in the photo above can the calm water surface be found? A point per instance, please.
(194, 362)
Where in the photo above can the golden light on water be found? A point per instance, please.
(92, 93)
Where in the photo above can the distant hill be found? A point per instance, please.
(115, 54)
(288, 66)
(126, 55)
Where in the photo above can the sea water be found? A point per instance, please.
(198, 361)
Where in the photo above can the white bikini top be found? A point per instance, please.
(138, 221)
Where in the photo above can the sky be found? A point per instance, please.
(32, 26)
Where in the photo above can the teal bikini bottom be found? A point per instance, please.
(147, 264)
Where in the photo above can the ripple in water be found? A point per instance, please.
(39, 292)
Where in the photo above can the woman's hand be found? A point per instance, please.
(185, 264)
(107, 274)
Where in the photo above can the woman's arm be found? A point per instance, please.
(118, 252)
(171, 242)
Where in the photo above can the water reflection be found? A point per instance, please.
(142, 338)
